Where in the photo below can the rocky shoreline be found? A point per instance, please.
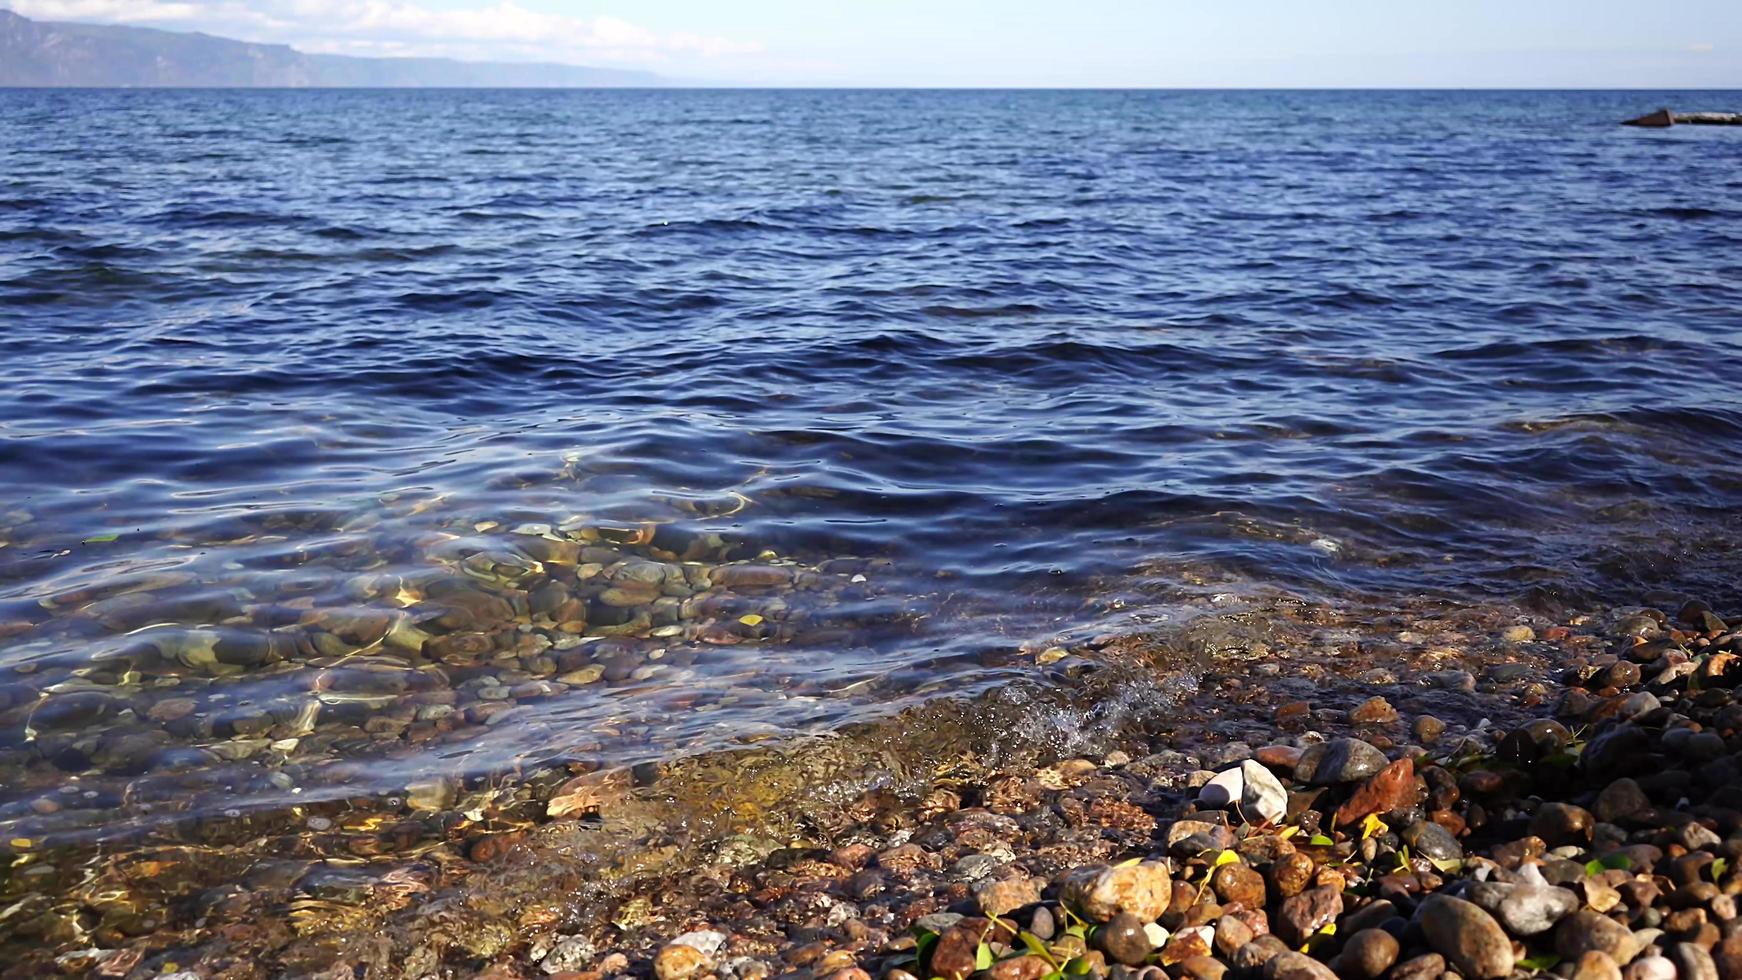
(1597, 842)
(1466, 793)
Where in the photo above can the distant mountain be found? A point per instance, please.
(42, 53)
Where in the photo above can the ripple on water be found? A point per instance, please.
(1030, 365)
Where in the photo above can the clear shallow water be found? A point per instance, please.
(287, 372)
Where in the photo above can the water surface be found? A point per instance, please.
(312, 397)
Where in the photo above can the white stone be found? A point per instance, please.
(1223, 788)
(707, 941)
(1263, 798)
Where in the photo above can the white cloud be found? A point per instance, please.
(1702, 48)
(500, 29)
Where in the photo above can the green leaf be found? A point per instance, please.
(1540, 962)
(1718, 867)
(1609, 862)
(1037, 947)
(1320, 840)
(1072, 919)
(983, 957)
(1078, 967)
(923, 941)
(102, 538)
(1226, 857)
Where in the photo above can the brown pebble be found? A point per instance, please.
(1367, 954)
(1391, 788)
(1019, 968)
(1373, 711)
(1201, 968)
(953, 957)
(1301, 917)
(1428, 729)
(679, 962)
(1281, 758)
(1596, 965)
(1239, 883)
(1428, 966)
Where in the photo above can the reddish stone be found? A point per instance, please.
(1373, 711)
(1392, 788)
(1281, 758)
(1238, 883)
(1449, 820)
(953, 958)
(1020, 968)
(1305, 914)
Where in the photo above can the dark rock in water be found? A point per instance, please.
(1340, 760)
(1660, 119)
(1663, 119)
(72, 710)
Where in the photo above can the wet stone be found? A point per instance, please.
(1433, 841)
(1124, 940)
(1238, 883)
(1368, 954)
(71, 710)
(1596, 965)
(681, 962)
(1584, 931)
(1252, 956)
(1340, 760)
(953, 956)
(1532, 909)
(1469, 938)
(1561, 823)
(1692, 962)
(1392, 788)
(1302, 916)
(1620, 800)
(1099, 893)
(1428, 966)
(1290, 965)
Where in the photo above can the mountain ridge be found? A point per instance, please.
(64, 54)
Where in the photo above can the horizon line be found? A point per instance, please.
(736, 87)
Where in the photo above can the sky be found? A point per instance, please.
(1012, 43)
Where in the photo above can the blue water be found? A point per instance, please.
(1040, 358)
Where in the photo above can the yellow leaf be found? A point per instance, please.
(1287, 832)
(1226, 857)
(1372, 826)
(750, 620)
(23, 843)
